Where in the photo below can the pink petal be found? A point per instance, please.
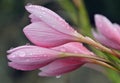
(24, 67)
(105, 41)
(50, 18)
(106, 28)
(32, 55)
(117, 26)
(73, 47)
(43, 35)
(34, 18)
(65, 65)
(60, 66)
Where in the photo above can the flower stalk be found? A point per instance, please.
(92, 59)
(97, 45)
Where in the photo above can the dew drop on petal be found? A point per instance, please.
(27, 44)
(59, 76)
(28, 4)
(42, 12)
(21, 54)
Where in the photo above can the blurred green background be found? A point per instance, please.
(13, 18)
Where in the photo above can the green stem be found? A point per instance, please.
(83, 18)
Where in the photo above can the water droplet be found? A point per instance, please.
(58, 76)
(43, 13)
(21, 54)
(27, 44)
(28, 4)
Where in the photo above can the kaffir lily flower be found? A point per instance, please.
(47, 28)
(65, 65)
(48, 60)
(108, 33)
(31, 57)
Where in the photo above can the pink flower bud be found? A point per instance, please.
(108, 33)
(31, 57)
(65, 65)
(47, 28)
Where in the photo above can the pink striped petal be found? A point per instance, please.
(41, 34)
(24, 67)
(50, 18)
(105, 41)
(73, 47)
(107, 29)
(34, 18)
(117, 26)
(61, 66)
(32, 55)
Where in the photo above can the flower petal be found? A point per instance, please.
(50, 18)
(73, 47)
(106, 28)
(61, 66)
(32, 55)
(24, 67)
(105, 41)
(43, 35)
(34, 18)
(117, 26)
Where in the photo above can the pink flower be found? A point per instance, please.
(47, 28)
(65, 65)
(108, 33)
(48, 60)
(31, 57)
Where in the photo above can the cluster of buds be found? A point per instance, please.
(58, 48)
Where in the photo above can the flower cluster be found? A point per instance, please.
(56, 43)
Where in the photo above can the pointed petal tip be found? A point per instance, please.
(98, 17)
(29, 5)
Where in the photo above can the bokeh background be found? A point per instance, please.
(14, 17)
